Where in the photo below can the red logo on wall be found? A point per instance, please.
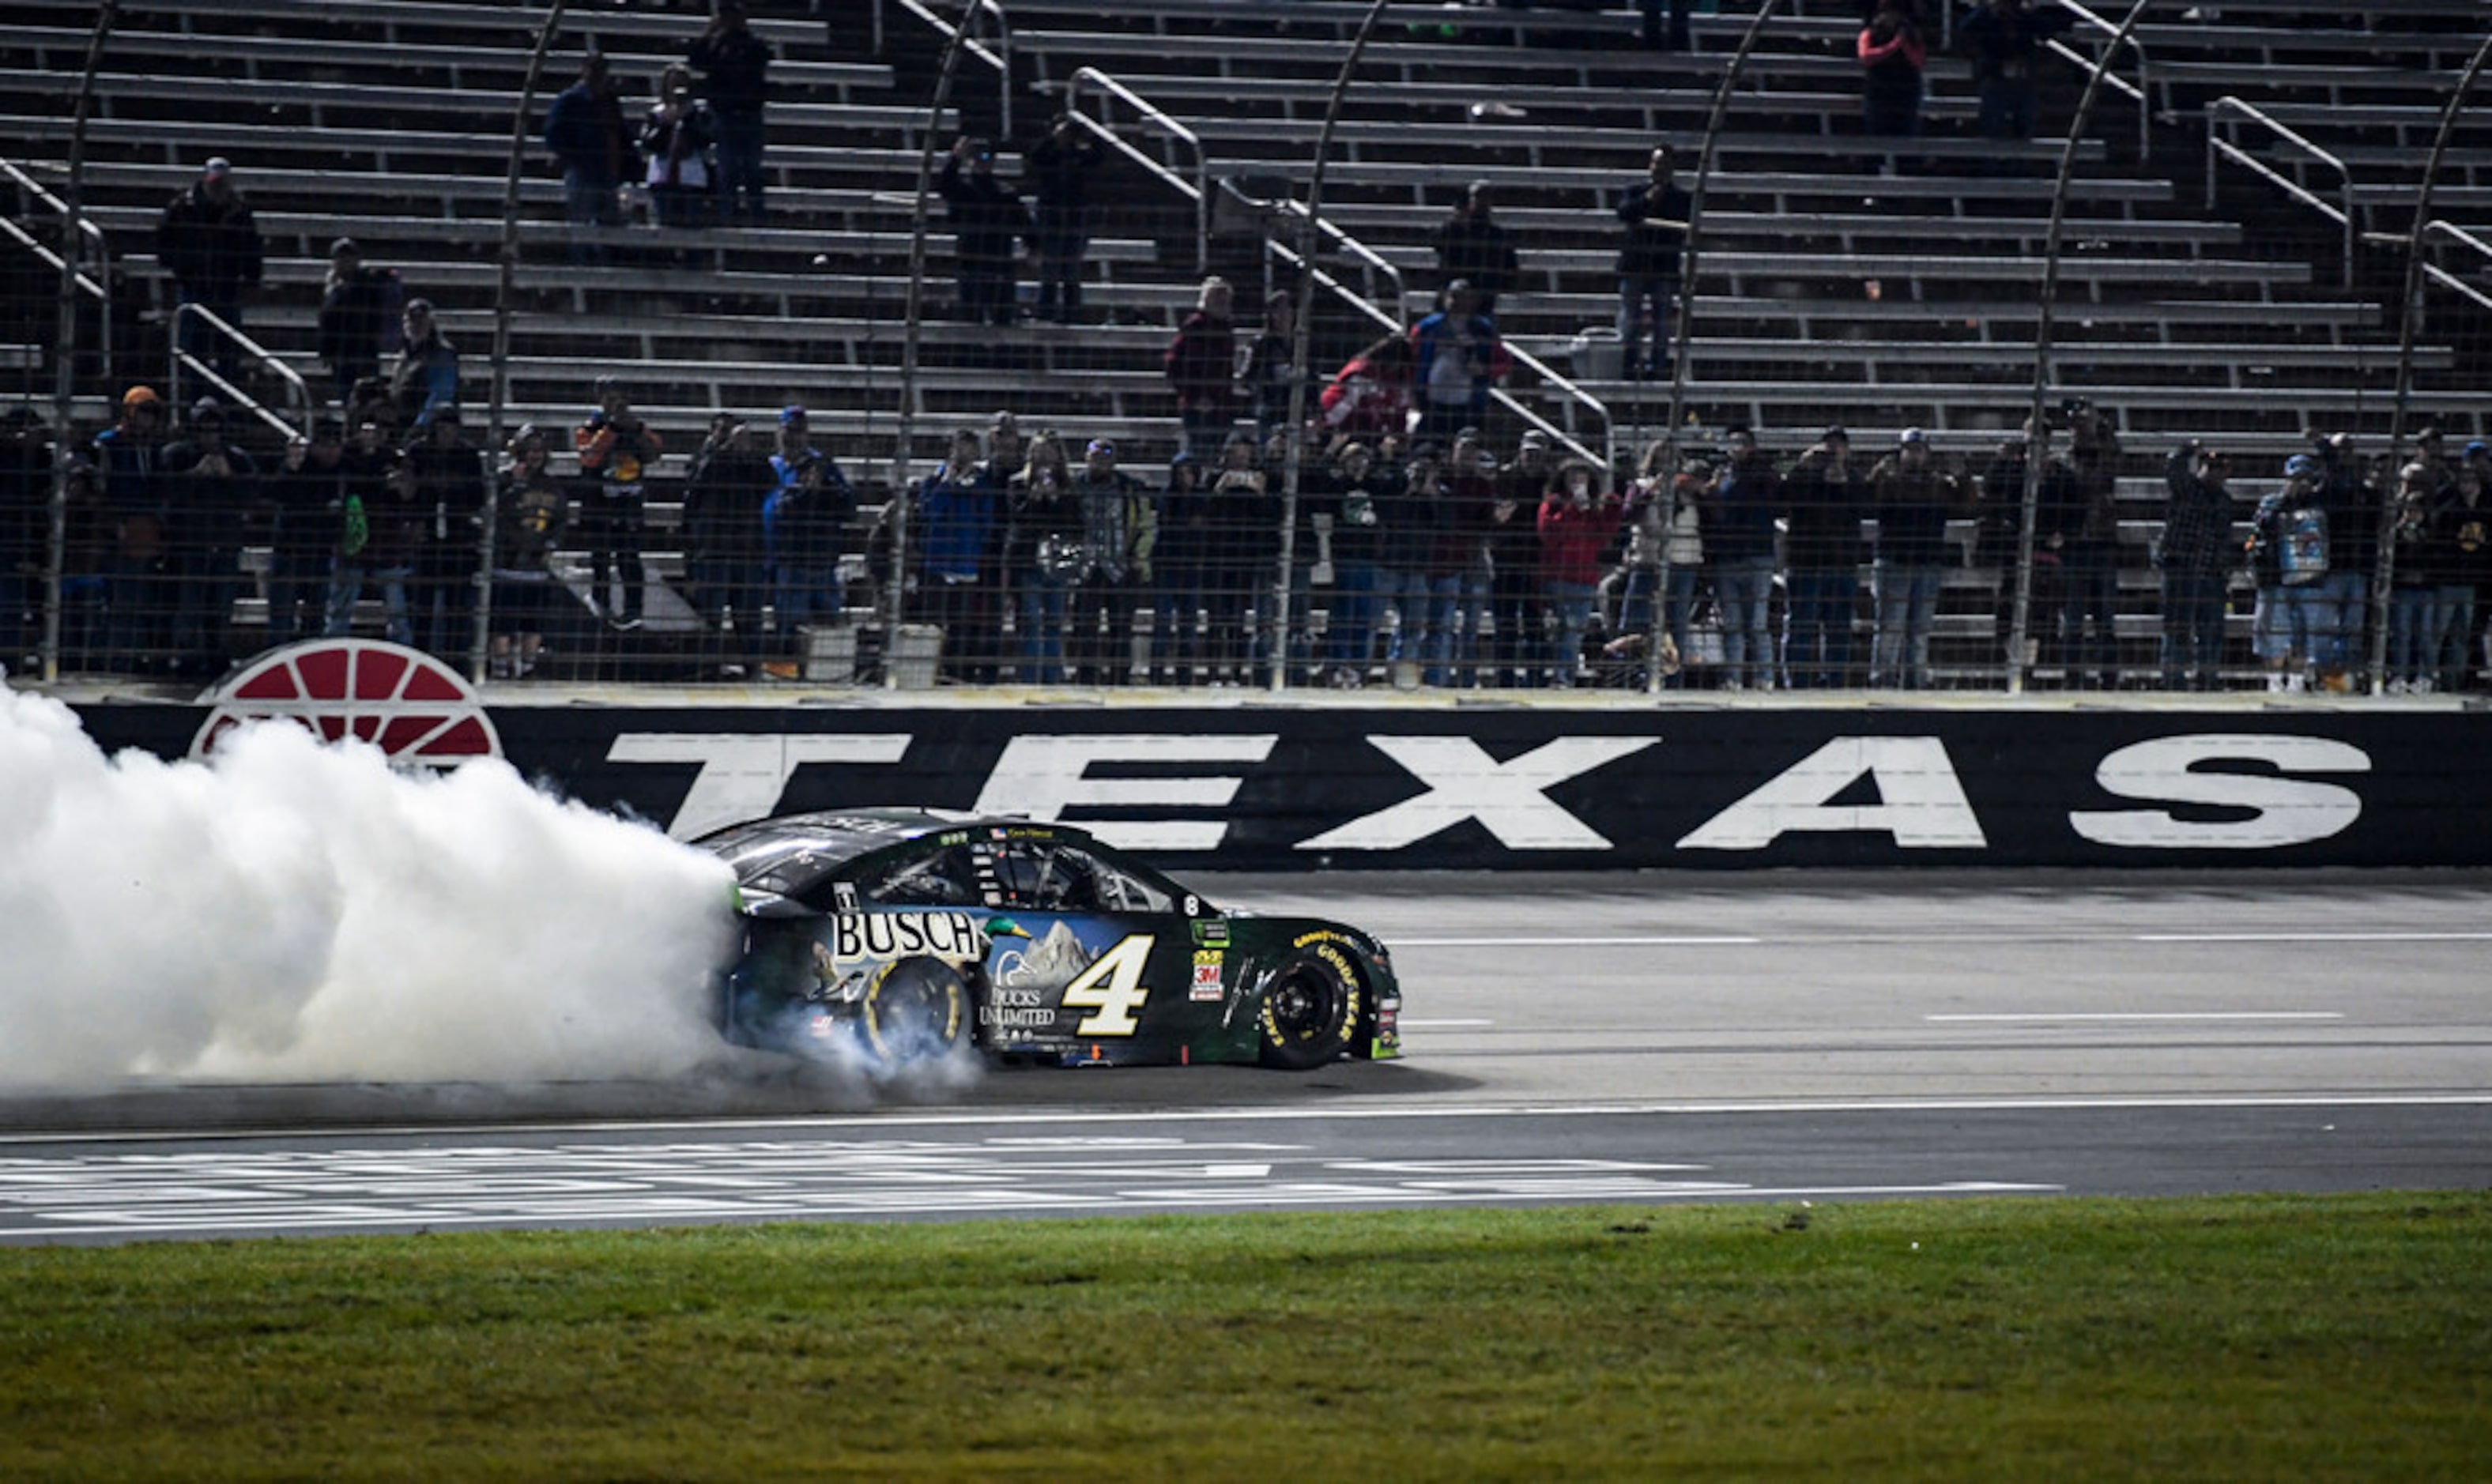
(404, 701)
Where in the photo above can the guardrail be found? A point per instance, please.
(2226, 116)
(1000, 57)
(183, 361)
(97, 283)
(2438, 230)
(2139, 91)
(1171, 131)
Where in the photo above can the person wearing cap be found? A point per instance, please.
(136, 496)
(1654, 212)
(360, 312)
(1471, 245)
(424, 379)
(215, 487)
(531, 516)
(2195, 555)
(1827, 497)
(2355, 505)
(208, 240)
(588, 132)
(805, 530)
(1457, 356)
(734, 66)
(1914, 499)
(1119, 531)
(987, 221)
(617, 450)
(1743, 506)
(2288, 554)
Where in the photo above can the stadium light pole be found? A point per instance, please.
(65, 351)
(2411, 326)
(480, 647)
(1302, 346)
(2020, 624)
(1681, 330)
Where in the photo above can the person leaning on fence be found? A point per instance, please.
(617, 450)
(588, 134)
(734, 66)
(2195, 555)
(531, 516)
(208, 240)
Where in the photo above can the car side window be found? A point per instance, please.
(947, 878)
(1117, 890)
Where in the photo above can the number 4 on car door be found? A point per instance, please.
(1112, 990)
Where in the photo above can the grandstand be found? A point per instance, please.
(2205, 289)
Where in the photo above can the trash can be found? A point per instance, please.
(914, 654)
(1597, 354)
(831, 654)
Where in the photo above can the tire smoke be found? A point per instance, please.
(299, 913)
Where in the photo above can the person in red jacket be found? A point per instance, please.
(1579, 519)
(1202, 365)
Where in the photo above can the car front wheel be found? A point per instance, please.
(1311, 1009)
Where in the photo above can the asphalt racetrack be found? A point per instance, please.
(1645, 1038)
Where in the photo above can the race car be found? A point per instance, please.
(903, 934)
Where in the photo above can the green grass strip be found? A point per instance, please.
(2254, 1338)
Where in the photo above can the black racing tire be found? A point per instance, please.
(1311, 1009)
(914, 1010)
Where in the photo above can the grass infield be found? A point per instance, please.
(2252, 1338)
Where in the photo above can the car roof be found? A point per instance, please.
(793, 851)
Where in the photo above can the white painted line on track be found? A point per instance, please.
(1362, 1114)
(1410, 1025)
(2054, 1015)
(1682, 940)
(2310, 937)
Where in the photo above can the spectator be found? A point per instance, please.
(2425, 517)
(1677, 38)
(382, 527)
(725, 563)
(1664, 519)
(2466, 567)
(449, 568)
(1458, 570)
(1182, 564)
(1406, 540)
(2195, 553)
(2354, 510)
(1240, 582)
(734, 66)
(2289, 555)
(805, 528)
(1577, 521)
(1369, 399)
(360, 310)
(1472, 247)
(207, 240)
(1006, 452)
(1047, 546)
(1892, 55)
(1120, 529)
(136, 505)
(306, 500)
(1455, 356)
(1058, 170)
(678, 139)
(26, 456)
(1827, 498)
(425, 376)
(1747, 500)
(1271, 371)
(988, 221)
(588, 133)
(1654, 211)
(1356, 492)
(2005, 39)
(617, 450)
(531, 516)
(956, 510)
(1914, 499)
(1201, 365)
(2078, 524)
(1513, 542)
(215, 485)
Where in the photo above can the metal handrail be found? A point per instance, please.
(2459, 235)
(181, 360)
(101, 285)
(2228, 113)
(1001, 58)
(1168, 126)
(1367, 257)
(2144, 86)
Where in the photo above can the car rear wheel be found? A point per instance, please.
(1311, 1009)
(915, 1010)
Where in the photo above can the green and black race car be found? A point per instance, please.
(914, 933)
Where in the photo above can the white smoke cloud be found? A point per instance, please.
(290, 912)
